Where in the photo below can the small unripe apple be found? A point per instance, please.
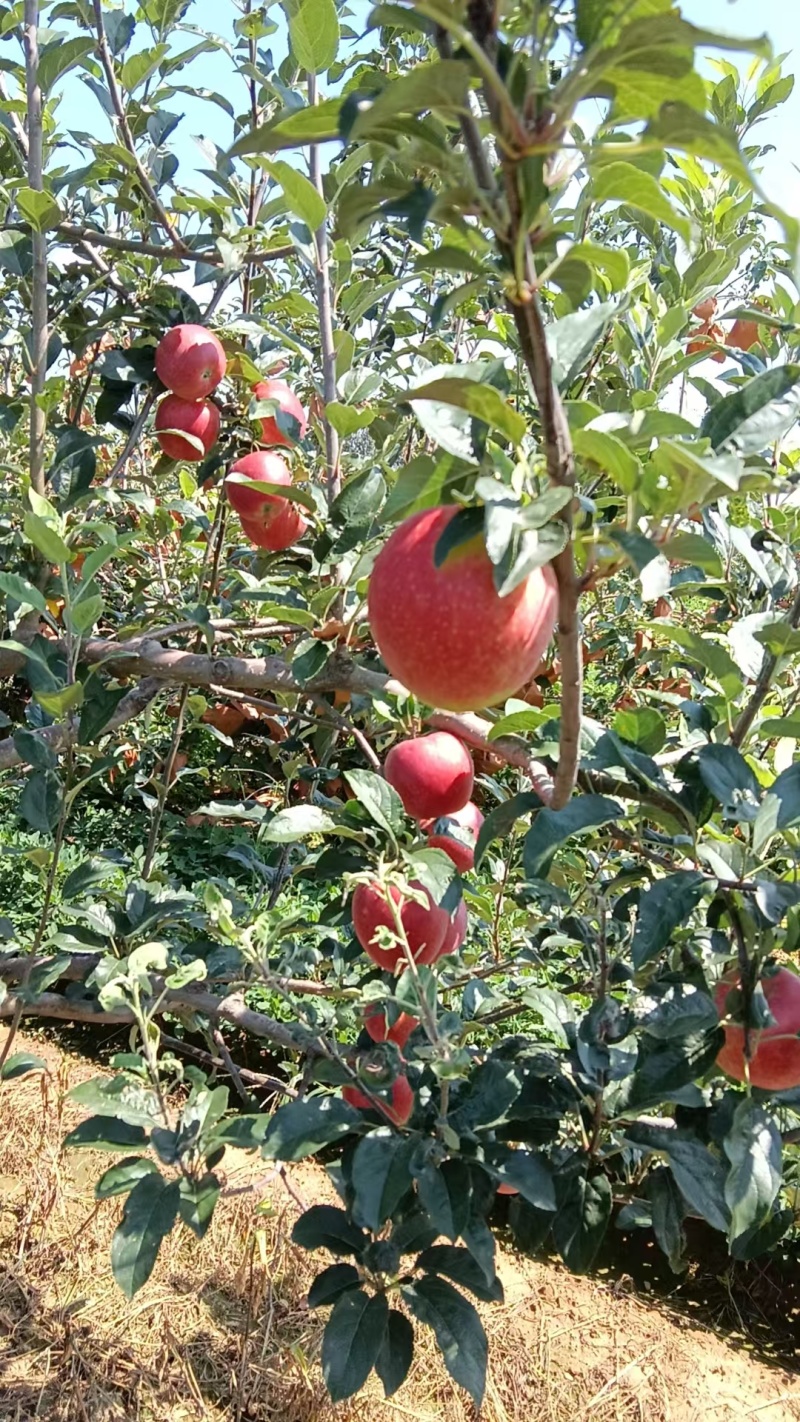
(267, 468)
(190, 361)
(445, 632)
(432, 774)
(425, 925)
(456, 931)
(200, 419)
(457, 835)
(775, 1050)
(276, 531)
(376, 1024)
(398, 1112)
(288, 404)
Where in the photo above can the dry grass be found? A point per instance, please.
(221, 1331)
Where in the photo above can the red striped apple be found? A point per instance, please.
(190, 361)
(425, 925)
(287, 404)
(199, 419)
(432, 774)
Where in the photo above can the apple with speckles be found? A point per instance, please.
(200, 419)
(190, 361)
(432, 774)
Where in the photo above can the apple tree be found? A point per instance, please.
(475, 330)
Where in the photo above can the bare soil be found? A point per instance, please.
(222, 1331)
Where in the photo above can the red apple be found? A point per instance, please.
(190, 361)
(277, 532)
(457, 835)
(376, 1024)
(775, 1051)
(444, 632)
(432, 774)
(504, 1189)
(288, 404)
(456, 931)
(266, 468)
(401, 1106)
(198, 419)
(425, 925)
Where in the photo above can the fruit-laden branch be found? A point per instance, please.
(764, 681)
(145, 658)
(38, 337)
(523, 304)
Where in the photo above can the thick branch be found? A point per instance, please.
(762, 686)
(39, 334)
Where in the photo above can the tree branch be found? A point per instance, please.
(325, 308)
(764, 681)
(116, 243)
(64, 734)
(39, 332)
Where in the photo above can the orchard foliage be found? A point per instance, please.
(489, 251)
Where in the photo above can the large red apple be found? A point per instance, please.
(456, 931)
(200, 419)
(432, 774)
(190, 361)
(267, 468)
(380, 1030)
(444, 632)
(402, 1103)
(278, 531)
(287, 404)
(457, 835)
(775, 1051)
(425, 925)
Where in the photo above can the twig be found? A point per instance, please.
(39, 332)
(253, 1078)
(132, 441)
(60, 736)
(325, 306)
(117, 243)
(762, 686)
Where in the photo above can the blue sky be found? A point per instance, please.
(779, 18)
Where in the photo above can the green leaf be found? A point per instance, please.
(352, 1341)
(444, 1192)
(58, 57)
(313, 33)
(346, 419)
(493, 1089)
(19, 1064)
(552, 828)
(397, 1352)
(301, 196)
(725, 772)
(105, 1133)
(380, 800)
(128, 1100)
(757, 414)
(38, 208)
(148, 1216)
(98, 707)
(412, 481)
(41, 800)
(580, 1226)
(142, 66)
(572, 340)
(753, 1147)
(197, 1202)
(481, 400)
(442, 85)
(643, 727)
(328, 1227)
(699, 1175)
(380, 1176)
(35, 751)
(46, 540)
(608, 452)
(667, 1067)
(122, 1177)
(459, 1265)
(678, 125)
(703, 650)
(662, 907)
(529, 1173)
(16, 254)
(668, 1211)
(296, 822)
(303, 1127)
(331, 1284)
(623, 182)
(360, 498)
(693, 548)
(22, 591)
(457, 1328)
(501, 820)
(292, 129)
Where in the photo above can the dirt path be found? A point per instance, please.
(221, 1331)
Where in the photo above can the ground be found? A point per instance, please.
(222, 1330)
